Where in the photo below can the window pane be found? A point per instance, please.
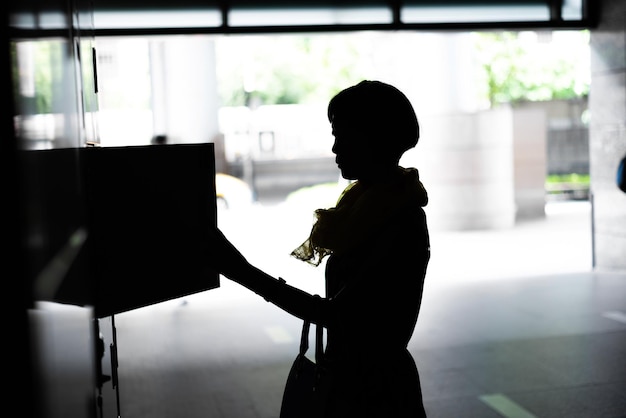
(457, 14)
(309, 16)
(157, 19)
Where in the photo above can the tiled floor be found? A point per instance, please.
(507, 329)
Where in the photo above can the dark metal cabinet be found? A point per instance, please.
(88, 232)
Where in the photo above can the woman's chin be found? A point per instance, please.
(347, 175)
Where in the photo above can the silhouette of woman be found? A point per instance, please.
(377, 244)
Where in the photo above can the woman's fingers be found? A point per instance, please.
(224, 256)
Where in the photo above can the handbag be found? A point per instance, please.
(306, 389)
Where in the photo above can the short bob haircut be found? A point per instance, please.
(379, 110)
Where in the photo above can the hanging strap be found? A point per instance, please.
(319, 340)
(319, 343)
(304, 338)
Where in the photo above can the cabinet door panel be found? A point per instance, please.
(150, 209)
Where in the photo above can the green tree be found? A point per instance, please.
(520, 66)
(284, 69)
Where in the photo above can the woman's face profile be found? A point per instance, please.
(354, 151)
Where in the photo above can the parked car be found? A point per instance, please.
(232, 192)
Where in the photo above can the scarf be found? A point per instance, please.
(360, 212)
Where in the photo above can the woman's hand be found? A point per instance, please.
(225, 258)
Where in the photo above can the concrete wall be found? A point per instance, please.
(607, 102)
(567, 138)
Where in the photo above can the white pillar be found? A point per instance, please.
(185, 89)
(465, 155)
(466, 163)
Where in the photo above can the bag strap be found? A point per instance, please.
(319, 343)
(319, 340)
(304, 338)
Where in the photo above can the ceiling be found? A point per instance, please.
(127, 17)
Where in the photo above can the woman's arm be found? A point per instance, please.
(229, 262)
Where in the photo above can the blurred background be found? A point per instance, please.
(505, 112)
(504, 122)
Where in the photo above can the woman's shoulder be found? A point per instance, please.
(409, 218)
(405, 232)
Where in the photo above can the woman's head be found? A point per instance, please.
(373, 123)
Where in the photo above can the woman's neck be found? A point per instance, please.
(383, 175)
